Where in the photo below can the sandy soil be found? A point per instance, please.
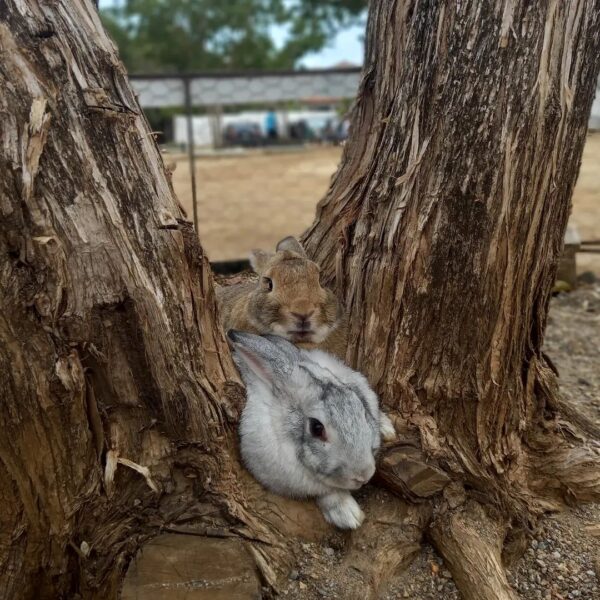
(586, 203)
(255, 199)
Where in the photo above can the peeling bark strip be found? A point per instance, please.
(111, 362)
(443, 225)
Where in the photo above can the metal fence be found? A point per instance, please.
(214, 93)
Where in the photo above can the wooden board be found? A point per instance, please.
(174, 567)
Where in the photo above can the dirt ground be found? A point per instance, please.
(254, 199)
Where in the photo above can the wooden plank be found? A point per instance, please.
(190, 567)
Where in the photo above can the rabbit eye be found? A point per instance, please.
(268, 284)
(317, 429)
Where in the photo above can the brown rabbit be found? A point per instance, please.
(287, 300)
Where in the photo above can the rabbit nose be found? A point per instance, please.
(303, 318)
(367, 473)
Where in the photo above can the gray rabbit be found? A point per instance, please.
(311, 426)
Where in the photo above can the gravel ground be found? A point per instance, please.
(562, 561)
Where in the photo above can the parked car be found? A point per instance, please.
(243, 133)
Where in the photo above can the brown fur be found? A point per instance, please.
(296, 303)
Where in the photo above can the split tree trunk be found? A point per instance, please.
(441, 230)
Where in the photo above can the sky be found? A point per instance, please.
(347, 46)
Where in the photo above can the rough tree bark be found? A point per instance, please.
(109, 348)
(441, 229)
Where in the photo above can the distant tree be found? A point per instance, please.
(166, 35)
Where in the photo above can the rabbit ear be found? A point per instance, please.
(259, 357)
(259, 260)
(287, 348)
(292, 244)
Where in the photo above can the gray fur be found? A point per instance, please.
(285, 387)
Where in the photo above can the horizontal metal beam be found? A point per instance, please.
(252, 87)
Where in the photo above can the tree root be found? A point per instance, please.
(470, 542)
(568, 473)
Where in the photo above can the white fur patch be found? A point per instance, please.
(342, 510)
(388, 432)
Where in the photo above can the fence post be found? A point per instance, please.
(191, 146)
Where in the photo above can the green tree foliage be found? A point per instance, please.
(194, 35)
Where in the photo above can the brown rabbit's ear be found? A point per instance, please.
(292, 244)
(259, 260)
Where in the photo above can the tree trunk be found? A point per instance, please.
(444, 223)
(120, 398)
(109, 347)
(441, 230)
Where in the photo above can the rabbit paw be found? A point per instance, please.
(386, 427)
(341, 509)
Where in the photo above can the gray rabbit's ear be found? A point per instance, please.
(292, 244)
(258, 357)
(287, 348)
(259, 260)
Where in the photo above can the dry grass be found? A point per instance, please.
(254, 200)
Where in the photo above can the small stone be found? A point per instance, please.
(555, 554)
(293, 575)
(435, 568)
(329, 551)
(534, 544)
(302, 585)
(542, 546)
(446, 574)
(590, 573)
